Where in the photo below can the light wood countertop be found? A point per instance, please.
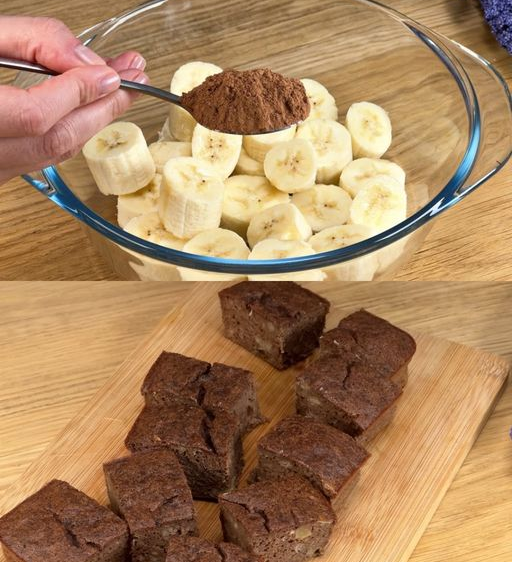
(62, 341)
(38, 241)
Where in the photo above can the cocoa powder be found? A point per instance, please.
(248, 102)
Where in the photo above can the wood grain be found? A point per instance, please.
(61, 341)
(471, 242)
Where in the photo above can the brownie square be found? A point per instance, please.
(347, 396)
(287, 520)
(193, 549)
(384, 347)
(209, 447)
(327, 457)
(281, 322)
(61, 524)
(150, 491)
(177, 379)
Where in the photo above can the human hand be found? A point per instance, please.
(50, 122)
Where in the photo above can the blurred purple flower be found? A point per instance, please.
(499, 15)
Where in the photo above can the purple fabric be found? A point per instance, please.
(499, 15)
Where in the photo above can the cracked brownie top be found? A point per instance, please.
(60, 524)
(190, 427)
(194, 549)
(365, 336)
(274, 506)
(151, 489)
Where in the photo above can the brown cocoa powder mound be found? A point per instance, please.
(248, 102)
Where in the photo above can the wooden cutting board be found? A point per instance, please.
(452, 391)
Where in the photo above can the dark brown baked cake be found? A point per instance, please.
(384, 347)
(281, 521)
(177, 379)
(347, 396)
(193, 549)
(209, 447)
(150, 491)
(61, 524)
(328, 458)
(279, 322)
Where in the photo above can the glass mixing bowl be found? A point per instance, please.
(450, 109)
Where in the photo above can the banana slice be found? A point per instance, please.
(149, 227)
(119, 159)
(330, 239)
(381, 203)
(141, 202)
(358, 171)
(282, 249)
(163, 151)
(257, 146)
(333, 147)
(186, 78)
(219, 150)
(245, 197)
(216, 243)
(247, 166)
(190, 197)
(323, 104)
(371, 130)
(165, 133)
(324, 206)
(292, 166)
(281, 222)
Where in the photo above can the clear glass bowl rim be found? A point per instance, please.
(56, 189)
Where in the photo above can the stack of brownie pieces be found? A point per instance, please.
(345, 396)
(187, 444)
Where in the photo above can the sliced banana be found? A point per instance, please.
(245, 197)
(333, 147)
(216, 243)
(381, 203)
(282, 249)
(358, 171)
(219, 150)
(165, 133)
(149, 227)
(292, 166)
(247, 166)
(323, 104)
(257, 146)
(330, 239)
(190, 197)
(119, 159)
(185, 79)
(141, 202)
(163, 151)
(324, 206)
(371, 130)
(281, 222)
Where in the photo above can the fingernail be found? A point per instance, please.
(86, 55)
(139, 63)
(109, 84)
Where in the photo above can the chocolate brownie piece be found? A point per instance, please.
(150, 491)
(208, 446)
(384, 347)
(282, 521)
(281, 322)
(177, 379)
(347, 396)
(327, 457)
(193, 549)
(61, 524)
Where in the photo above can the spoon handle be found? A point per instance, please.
(24, 66)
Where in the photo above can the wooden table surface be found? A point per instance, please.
(61, 341)
(38, 241)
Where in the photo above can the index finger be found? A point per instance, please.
(45, 41)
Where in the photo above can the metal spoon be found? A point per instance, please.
(24, 66)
